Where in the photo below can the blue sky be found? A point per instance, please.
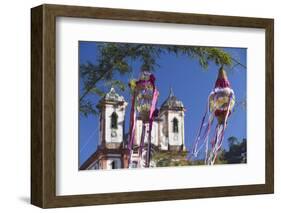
(190, 83)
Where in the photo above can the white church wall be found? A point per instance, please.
(101, 121)
(154, 132)
(175, 139)
(138, 132)
(114, 135)
(182, 127)
(162, 132)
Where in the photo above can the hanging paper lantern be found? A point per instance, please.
(143, 89)
(220, 105)
(144, 98)
(221, 99)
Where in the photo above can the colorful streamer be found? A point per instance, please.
(144, 99)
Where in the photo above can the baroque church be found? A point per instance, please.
(112, 152)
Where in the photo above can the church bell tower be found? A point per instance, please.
(171, 128)
(112, 120)
(110, 153)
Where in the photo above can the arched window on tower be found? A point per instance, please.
(175, 125)
(114, 120)
(113, 165)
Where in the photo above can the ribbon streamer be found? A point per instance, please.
(220, 104)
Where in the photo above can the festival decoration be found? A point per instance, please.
(143, 107)
(220, 104)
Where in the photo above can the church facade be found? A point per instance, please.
(112, 153)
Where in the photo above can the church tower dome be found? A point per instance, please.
(172, 103)
(113, 96)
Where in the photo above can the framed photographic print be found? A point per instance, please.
(136, 106)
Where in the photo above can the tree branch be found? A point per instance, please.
(237, 62)
(106, 71)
